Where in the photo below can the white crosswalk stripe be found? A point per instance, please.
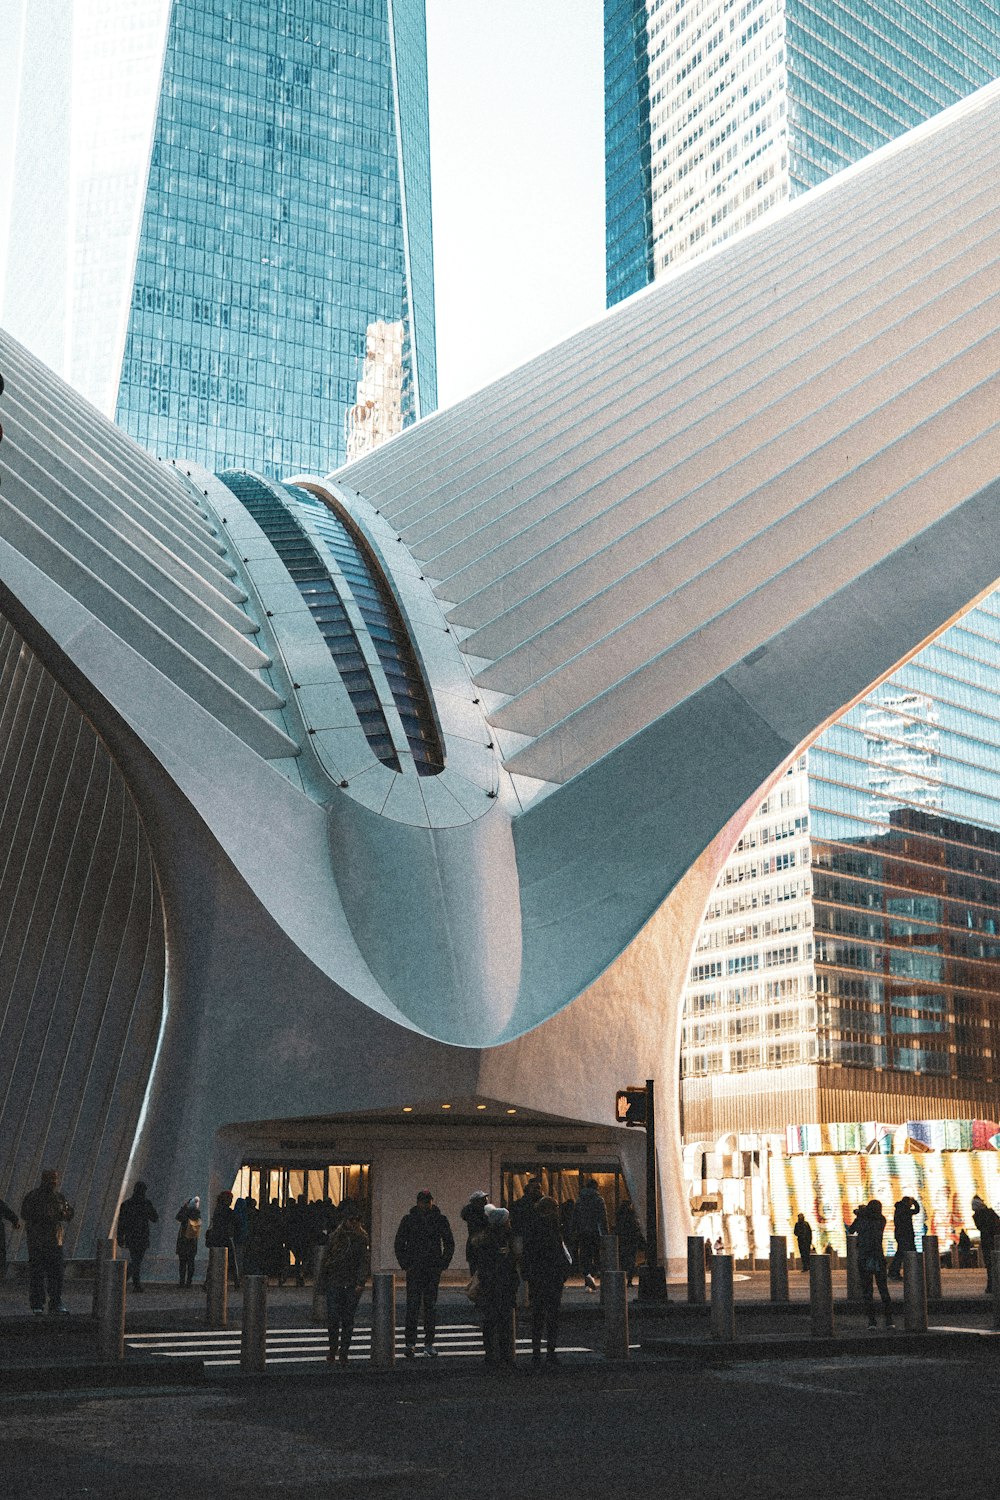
(221, 1347)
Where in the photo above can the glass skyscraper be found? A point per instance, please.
(257, 289)
(848, 966)
(716, 110)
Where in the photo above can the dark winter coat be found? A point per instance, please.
(189, 1219)
(902, 1223)
(590, 1217)
(496, 1267)
(869, 1228)
(988, 1224)
(548, 1267)
(45, 1213)
(474, 1216)
(424, 1241)
(346, 1258)
(134, 1218)
(803, 1237)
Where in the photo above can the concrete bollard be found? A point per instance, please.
(111, 1310)
(607, 1257)
(615, 1316)
(779, 1268)
(914, 1293)
(319, 1292)
(932, 1267)
(103, 1250)
(253, 1332)
(217, 1287)
(821, 1296)
(853, 1270)
(383, 1320)
(722, 1318)
(995, 1282)
(696, 1268)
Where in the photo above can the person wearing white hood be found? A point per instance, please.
(189, 1219)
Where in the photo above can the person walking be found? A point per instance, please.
(343, 1273)
(523, 1225)
(988, 1224)
(590, 1221)
(424, 1246)
(547, 1272)
(220, 1233)
(134, 1218)
(903, 1216)
(869, 1226)
(496, 1267)
(473, 1216)
(46, 1213)
(630, 1238)
(298, 1235)
(804, 1239)
(188, 1217)
(11, 1218)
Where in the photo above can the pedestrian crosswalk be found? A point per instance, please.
(285, 1346)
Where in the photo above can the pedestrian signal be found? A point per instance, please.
(630, 1106)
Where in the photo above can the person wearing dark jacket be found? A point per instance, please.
(220, 1234)
(188, 1216)
(424, 1247)
(590, 1221)
(46, 1213)
(630, 1238)
(473, 1216)
(15, 1223)
(869, 1226)
(804, 1239)
(523, 1223)
(988, 1224)
(134, 1218)
(547, 1272)
(342, 1275)
(902, 1227)
(496, 1267)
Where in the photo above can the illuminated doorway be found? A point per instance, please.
(283, 1182)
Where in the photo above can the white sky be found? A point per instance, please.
(517, 161)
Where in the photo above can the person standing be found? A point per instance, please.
(342, 1275)
(630, 1238)
(220, 1232)
(134, 1218)
(473, 1216)
(590, 1221)
(869, 1226)
(46, 1213)
(804, 1239)
(424, 1246)
(903, 1215)
(547, 1272)
(523, 1224)
(988, 1224)
(10, 1216)
(496, 1267)
(189, 1218)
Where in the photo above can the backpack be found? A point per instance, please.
(191, 1228)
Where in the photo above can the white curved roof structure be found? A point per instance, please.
(461, 716)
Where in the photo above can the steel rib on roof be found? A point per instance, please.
(625, 518)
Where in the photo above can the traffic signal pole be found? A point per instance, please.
(652, 1276)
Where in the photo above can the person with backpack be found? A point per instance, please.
(189, 1218)
(343, 1273)
(869, 1226)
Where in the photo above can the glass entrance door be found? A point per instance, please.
(283, 1183)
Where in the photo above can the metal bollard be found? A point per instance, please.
(914, 1294)
(103, 1250)
(616, 1316)
(995, 1282)
(608, 1257)
(722, 1318)
(111, 1310)
(217, 1287)
(779, 1268)
(253, 1333)
(319, 1291)
(383, 1320)
(853, 1270)
(696, 1268)
(821, 1296)
(932, 1267)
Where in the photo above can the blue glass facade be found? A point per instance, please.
(861, 72)
(628, 180)
(288, 209)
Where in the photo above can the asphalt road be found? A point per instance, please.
(810, 1428)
